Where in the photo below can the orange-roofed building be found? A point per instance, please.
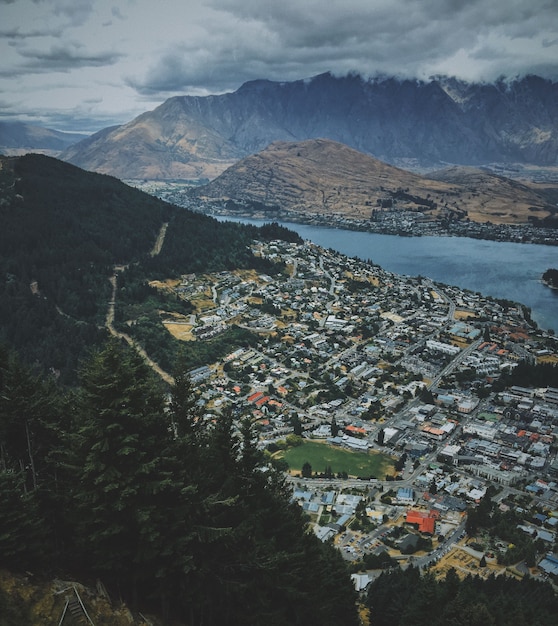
(255, 396)
(426, 522)
(262, 401)
(356, 430)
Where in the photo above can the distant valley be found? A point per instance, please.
(343, 148)
(17, 138)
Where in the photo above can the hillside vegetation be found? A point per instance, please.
(64, 231)
(403, 597)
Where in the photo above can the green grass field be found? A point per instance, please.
(321, 455)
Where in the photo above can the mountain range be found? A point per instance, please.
(17, 138)
(410, 123)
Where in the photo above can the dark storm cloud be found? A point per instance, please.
(20, 33)
(76, 12)
(63, 58)
(135, 53)
(292, 39)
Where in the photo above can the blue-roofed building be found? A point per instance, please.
(311, 507)
(343, 520)
(549, 564)
(446, 400)
(343, 509)
(545, 536)
(302, 494)
(405, 495)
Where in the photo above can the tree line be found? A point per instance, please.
(405, 597)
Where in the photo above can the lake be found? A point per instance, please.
(499, 269)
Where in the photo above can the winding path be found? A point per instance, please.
(109, 322)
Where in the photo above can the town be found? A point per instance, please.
(393, 219)
(397, 369)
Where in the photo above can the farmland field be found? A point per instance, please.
(322, 455)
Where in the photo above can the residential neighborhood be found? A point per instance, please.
(360, 359)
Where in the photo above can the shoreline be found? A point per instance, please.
(520, 233)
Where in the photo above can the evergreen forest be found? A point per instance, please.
(116, 481)
(63, 232)
(402, 597)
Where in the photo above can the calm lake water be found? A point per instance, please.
(502, 270)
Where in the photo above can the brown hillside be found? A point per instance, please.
(324, 177)
(496, 198)
(162, 144)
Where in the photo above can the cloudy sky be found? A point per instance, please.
(86, 64)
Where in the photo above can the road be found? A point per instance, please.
(109, 321)
(455, 362)
(442, 549)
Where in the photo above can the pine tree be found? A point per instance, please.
(119, 471)
(28, 420)
(183, 410)
(23, 533)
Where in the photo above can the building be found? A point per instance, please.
(550, 564)
(405, 495)
(425, 520)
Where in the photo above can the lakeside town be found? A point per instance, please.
(391, 221)
(386, 220)
(405, 370)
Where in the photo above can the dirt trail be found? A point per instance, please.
(109, 322)
(160, 240)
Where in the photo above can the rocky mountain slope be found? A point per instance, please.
(17, 138)
(398, 121)
(328, 178)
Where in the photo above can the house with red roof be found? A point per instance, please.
(355, 430)
(261, 401)
(425, 520)
(255, 396)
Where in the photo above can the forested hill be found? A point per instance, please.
(176, 515)
(64, 229)
(109, 480)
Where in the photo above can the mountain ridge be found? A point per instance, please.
(435, 122)
(17, 138)
(327, 178)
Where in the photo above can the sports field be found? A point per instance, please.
(321, 455)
